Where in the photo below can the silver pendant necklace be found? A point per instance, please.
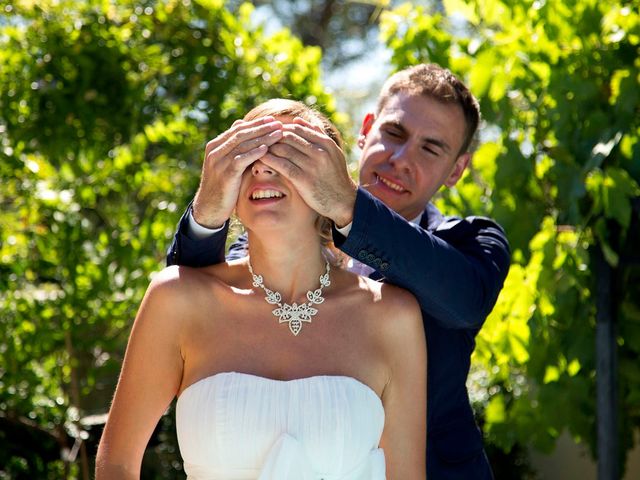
(294, 314)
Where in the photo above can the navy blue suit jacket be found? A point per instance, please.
(455, 268)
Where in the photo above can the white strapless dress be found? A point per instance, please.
(236, 426)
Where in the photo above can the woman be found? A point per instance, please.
(284, 366)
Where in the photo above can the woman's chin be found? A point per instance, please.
(284, 227)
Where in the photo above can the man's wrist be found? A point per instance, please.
(206, 220)
(344, 217)
(344, 231)
(198, 231)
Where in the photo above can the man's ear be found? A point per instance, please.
(368, 121)
(458, 169)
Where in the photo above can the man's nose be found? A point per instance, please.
(401, 157)
(259, 168)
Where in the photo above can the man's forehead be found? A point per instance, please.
(417, 111)
(424, 116)
(392, 109)
(401, 102)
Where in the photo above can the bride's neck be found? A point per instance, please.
(291, 268)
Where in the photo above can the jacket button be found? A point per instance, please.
(362, 254)
(384, 266)
(370, 258)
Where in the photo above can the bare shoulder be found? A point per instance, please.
(396, 315)
(173, 283)
(386, 301)
(180, 289)
(398, 298)
(179, 277)
(173, 305)
(387, 296)
(402, 311)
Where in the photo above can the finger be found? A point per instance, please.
(294, 139)
(291, 150)
(244, 160)
(239, 126)
(311, 133)
(255, 121)
(306, 123)
(317, 131)
(237, 135)
(299, 148)
(283, 166)
(268, 140)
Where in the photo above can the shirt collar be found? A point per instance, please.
(418, 219)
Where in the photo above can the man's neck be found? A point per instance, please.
(418, 219)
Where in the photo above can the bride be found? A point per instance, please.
(284, 366)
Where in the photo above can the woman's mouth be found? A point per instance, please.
(261, 194)
(265, 195)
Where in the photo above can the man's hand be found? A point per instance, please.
(226, 157)
(316, 167)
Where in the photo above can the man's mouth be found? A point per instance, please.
(390, 184)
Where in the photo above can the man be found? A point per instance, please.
(417, 140)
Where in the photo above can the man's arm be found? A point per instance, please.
(456, 272)
(188, 250)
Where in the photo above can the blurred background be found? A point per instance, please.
(105, 108)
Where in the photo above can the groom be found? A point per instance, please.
(417, 141)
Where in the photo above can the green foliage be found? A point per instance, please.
(559, 168)
(105, 108)
(333, 25)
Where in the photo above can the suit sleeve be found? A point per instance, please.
(192, 252)
(456, 271)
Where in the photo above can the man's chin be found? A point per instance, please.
(386, 198)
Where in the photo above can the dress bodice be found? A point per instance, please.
(236, 426)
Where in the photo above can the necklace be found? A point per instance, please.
(294, 314)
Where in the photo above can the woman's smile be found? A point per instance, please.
(262, 194)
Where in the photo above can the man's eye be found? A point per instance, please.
(393, 133)
(430, 151)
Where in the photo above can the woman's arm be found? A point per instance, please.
(150, 378)
(405, 395)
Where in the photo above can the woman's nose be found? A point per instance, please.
(259, 168)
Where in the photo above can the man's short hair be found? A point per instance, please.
(433, 81)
